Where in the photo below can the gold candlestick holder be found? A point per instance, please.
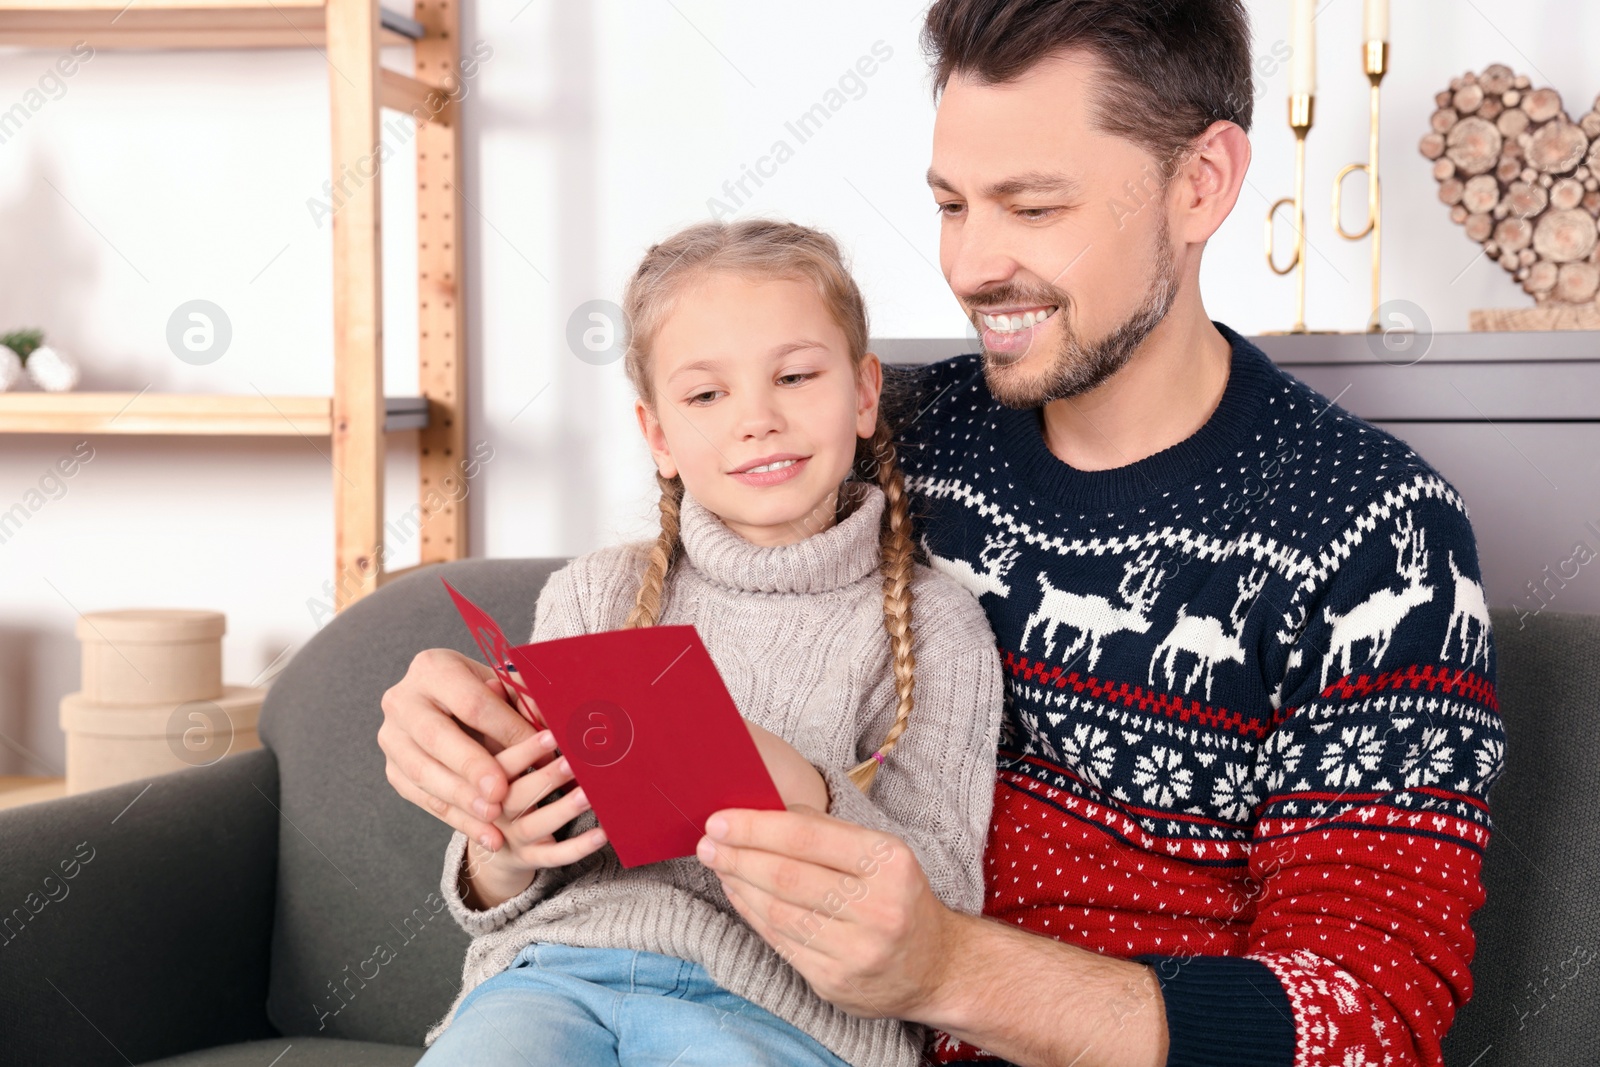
(1375, 60)
(1301, 107)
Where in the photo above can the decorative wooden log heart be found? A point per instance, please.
(1524, 181)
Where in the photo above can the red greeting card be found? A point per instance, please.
(645, 720)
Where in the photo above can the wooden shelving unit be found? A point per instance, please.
(358, 415)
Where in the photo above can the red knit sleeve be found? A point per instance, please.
(1370, 838)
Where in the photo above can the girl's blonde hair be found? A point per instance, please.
(773, 249)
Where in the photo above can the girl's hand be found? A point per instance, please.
(797, 780)
(534, 811)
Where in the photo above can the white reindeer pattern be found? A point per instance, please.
(1094, 617)
(995, 566)
(1376, 618)
(1469, 608)
(1204, 637)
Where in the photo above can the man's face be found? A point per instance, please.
(1056, 226)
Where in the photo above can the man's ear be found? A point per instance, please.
(650, 426)
(869, 389)
(1206, 184)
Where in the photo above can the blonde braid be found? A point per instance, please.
(647, 606)
(898, 571)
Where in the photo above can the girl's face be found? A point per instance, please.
(753, 372)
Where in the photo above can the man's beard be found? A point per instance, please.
(1080, 366)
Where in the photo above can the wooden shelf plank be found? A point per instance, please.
(170, 24)
(191, 415)
(17, 790)
(165, 413)
(422, 101)
(114, 6)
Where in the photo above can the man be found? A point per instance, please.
(1241, 807)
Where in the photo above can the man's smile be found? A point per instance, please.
(1009, 332)
(1009, 321)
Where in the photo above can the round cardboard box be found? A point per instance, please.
(108, 744)
(151, 656)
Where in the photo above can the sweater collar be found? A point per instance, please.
(1251, 378)
(844, 553)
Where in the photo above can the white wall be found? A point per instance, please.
(592, 130)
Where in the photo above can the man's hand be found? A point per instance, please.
(443, 724)
(849, 908)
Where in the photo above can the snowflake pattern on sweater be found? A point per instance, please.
(1250, 721)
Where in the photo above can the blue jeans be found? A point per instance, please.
(616, 1007)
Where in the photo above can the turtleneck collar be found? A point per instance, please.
(844, 553)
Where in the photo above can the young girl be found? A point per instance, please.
(786, 541)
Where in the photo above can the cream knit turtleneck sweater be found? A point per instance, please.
(796, 632)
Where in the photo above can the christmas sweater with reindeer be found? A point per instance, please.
(1250, 722)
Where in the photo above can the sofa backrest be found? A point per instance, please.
(361, 946)
(359, 952)
(1536, 972)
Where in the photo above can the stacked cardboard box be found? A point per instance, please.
(152, 699)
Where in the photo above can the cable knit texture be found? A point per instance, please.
(797, 634)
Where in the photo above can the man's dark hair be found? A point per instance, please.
(1173, 67)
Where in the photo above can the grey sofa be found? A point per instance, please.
(274, 908)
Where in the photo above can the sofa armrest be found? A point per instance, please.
(136, 921)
